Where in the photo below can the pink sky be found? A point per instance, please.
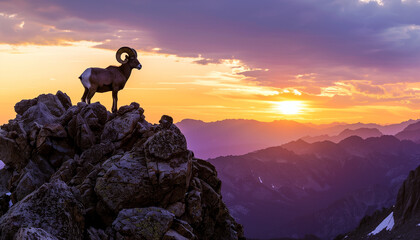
(314, 61)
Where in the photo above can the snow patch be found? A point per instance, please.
(387, 224)
(418, 225)
(9, 194)
(10, 203)
(1, 164)
(259, 178)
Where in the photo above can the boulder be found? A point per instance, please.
(31, 233)
(31, 178)
(142, 223)
(24, 105)
(52, 207)
(166, 144)
(121, 126)
(86, 126)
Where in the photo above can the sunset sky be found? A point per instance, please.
(316, 61)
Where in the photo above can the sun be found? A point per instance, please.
(290, 107)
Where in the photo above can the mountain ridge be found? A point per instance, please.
(306, 187)
(241, 136)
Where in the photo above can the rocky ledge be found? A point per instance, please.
(80, 172)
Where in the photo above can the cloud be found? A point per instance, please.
(368, 88)
(376, 41)
(206, 61)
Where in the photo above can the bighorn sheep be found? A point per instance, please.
(111, 78)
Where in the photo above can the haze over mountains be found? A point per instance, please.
(321, 188)
(237, 136)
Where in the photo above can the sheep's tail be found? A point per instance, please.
(84, 78)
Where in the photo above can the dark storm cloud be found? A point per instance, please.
(287, 36)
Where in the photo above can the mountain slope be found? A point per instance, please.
(361, 132)
(323, 188)
(411, 132)
(401, 221)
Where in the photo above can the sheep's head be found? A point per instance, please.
(130, 58)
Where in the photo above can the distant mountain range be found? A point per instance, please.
(322, 188)
(361, 132)
(236, 136)
(411, 132)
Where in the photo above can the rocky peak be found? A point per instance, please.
(81, 172)
(407, 205)
(400, 221)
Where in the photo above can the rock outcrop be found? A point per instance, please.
(80, 172)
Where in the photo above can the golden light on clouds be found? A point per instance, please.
(180, 87)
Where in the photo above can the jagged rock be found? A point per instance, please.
(166, 121)
(97, 234)
(183, 229)
(85, 127)
(173, 235)
(80, 172)
(142, 223)
(408, 199)
(51, 142)
(124, 183)
(47, 109)
(5, 175)
(166, 144)
(123, 125)
(32, 178)
(33, 234)
(208, 173)
(64, 99)
(177, 208)
(53, 207)
(24, 105)
(4, 202)
(11, 152)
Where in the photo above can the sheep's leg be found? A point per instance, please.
(90, 94)
(115, 100)
(85, 94)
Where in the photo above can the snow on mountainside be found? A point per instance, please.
(387, 224)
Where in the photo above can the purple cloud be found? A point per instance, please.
(337, 40)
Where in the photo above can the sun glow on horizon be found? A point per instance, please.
(290, 107)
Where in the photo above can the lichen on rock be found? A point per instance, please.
(81, 172)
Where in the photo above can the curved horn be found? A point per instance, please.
(122, 50)
(134, 51)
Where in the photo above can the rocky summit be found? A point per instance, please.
(81, 172)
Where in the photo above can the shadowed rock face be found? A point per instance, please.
(405, 215)
(80, 172)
